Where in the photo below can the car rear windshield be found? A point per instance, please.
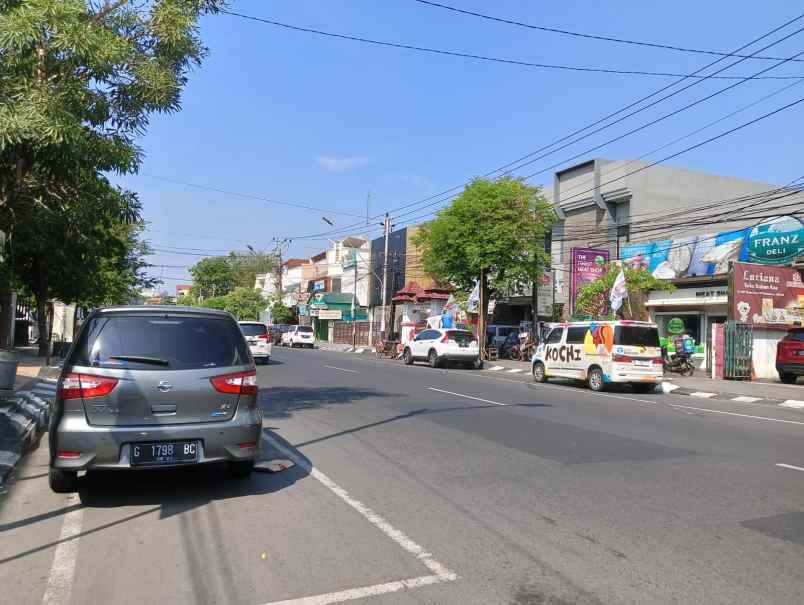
(460, 336)
(305, 329)
(795, 335)
(253, 329)
(636, 336)
(184, 342)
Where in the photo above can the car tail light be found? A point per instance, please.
(445, 340)
(621, 359)
(242, 383)
(265, 336)
(78, 386)
(658, 361)
(68, 455)
(247, 445)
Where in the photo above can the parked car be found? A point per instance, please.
(276, 331)
(790, 356)
(496, 334)
(439, 346)
(259, 341)
(600, 353)
(298, 336)
(155, 386)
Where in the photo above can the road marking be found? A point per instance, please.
(60, 582)
(688, 407)
(341, 369)
(746, 399)
(362, 592)
(669, 387)
(439, 573)
(496, 368)
(702, 394)
(793, 403)
(470, 397)
(515, 371)
(795, 468)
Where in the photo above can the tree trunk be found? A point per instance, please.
(483, 305)
(42, 325)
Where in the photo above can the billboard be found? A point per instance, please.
(767, 296)
(587, 265)
(775, 241)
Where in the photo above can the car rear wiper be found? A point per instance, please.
(157, 361)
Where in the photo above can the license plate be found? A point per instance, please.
(641, 363)
(165, 452)
(463, 344)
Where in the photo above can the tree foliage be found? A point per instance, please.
(498, 226)
(282, 314)
(593, 297)
(219, 275)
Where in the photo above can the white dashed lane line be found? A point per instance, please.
(793, 403)
(702, 394)
(791, 467)
(341, 369)
(469, 397)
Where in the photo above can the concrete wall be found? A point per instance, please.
(763, 358)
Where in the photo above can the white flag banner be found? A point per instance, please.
(618, 292)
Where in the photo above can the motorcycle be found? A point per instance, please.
(680, 362)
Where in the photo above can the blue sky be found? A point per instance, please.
(317, 121)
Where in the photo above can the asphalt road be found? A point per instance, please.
(413, 485)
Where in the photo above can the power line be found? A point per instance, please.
(452, 53)
(251, 196)
(565, 32)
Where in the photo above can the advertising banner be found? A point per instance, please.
(587, 265)
(775, 241)
(329, 314)
(766, 296)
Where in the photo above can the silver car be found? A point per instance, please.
(155, 386)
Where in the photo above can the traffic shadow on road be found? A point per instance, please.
(282, 402)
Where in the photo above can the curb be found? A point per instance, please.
(22, 423)
(669, 388)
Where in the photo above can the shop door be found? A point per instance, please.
(739, 346)
(322, 330)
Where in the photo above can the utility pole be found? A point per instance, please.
(354, 305)
(387, 229)
(279, 244)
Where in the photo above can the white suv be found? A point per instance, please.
(443, 345)
(259, 340)
(298, 336)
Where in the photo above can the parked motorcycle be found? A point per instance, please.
(509, 349)
(680, 362)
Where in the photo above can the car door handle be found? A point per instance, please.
(163, 409)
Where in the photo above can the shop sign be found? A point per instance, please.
(314, 311)
(675, 325)
(776, 241)
(767, 296)
(587, 265)
(303, 310)
(319, 285)
(329, 314)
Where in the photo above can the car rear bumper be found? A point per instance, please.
(790, 368)
(459, 356)
(109, 447)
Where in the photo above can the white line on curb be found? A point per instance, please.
(60, 582)
(702, 394)
(496, 368)
(793, 403)
(790, 466)
(341, 369)
(515, 371)
(669, 387)
(439, 572)
(469, 397)
(746, 399)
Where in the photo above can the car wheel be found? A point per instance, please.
(787, 378)
(644, 387)
(62, 482)
(539, 375)
(240, 468)
(432, 358)
(407, 356)
(594, 379)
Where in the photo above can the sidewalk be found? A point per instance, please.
(24, 414)
(789, 395)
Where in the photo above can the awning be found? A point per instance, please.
(688, 302)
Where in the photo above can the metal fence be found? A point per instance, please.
(738, 349)
(343, 332)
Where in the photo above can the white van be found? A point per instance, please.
(600, 353)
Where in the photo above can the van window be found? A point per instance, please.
(576, 335)
(253, 329)
(555, 336)
(636, 336)
(304, 329)
(185, 341)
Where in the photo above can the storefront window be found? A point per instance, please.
(675, 324)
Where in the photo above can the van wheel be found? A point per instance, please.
(432, 359)
(240, 468)
(594, 379)
(63, 482)
(539, 375)
(407, 357)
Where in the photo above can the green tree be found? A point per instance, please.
(246, 266)
(593, 297)
(212, 276)
(244, 303)
(495, 227)
(282, 314)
